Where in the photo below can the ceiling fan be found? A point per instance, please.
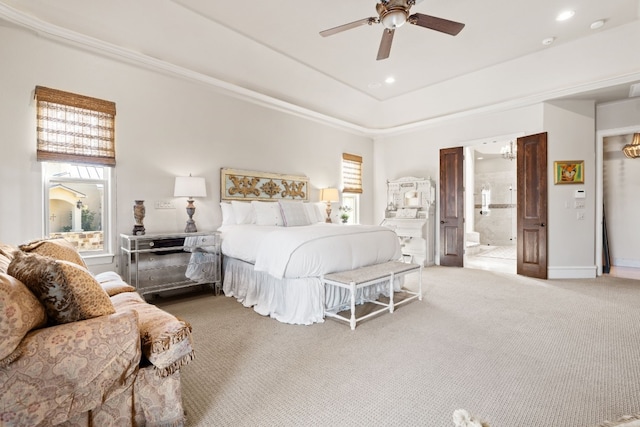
(394, 14)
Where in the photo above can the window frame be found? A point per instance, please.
(93, 257)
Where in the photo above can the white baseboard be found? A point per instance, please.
(626, 262)
(572, 272)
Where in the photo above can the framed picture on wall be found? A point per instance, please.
(568, 171)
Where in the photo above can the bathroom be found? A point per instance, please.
(491, 220)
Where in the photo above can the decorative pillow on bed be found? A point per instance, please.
(312, 212)
(294, 213)
(267, 213)
(228, 217)
(243, 212)
(67, 291)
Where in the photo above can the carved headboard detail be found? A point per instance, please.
(251, 185)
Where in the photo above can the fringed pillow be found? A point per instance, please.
(56, 248)
(68, 292)
(20, 312)
(166, 340)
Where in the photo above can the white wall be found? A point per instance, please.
(570, 126)
(165, 127)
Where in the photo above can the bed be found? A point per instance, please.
(275, 250)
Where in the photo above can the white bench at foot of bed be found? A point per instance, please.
(368, 276)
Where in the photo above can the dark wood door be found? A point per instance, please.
(532, 205)
(451, 207)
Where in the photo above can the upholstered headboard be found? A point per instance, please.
(251, 185)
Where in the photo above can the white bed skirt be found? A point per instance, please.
(295, 301)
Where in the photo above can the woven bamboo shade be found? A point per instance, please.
(75, 128)
(351, 173)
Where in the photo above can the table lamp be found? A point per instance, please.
(329, 195)
(190, 187)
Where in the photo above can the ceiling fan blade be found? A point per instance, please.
(340, 28)
(437, 24)
(385, 44)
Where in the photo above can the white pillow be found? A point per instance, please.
(243, 212)
(321, 211)
(228, 217)
(267, 213)
(294, 213)
(312, 212)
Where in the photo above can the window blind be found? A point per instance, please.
(74, 128)
(351, 173)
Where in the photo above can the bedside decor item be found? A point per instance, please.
(632, 151)
(329, 195)
(568, 172)
(344, 216)
(190, 187)
(138, 215)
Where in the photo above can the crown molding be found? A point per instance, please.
(66, 36)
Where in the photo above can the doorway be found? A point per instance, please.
(491, 216)
(616, 203)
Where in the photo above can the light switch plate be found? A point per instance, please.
(165, 204)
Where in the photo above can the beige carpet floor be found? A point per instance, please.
(513, 351)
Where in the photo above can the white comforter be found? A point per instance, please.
(309, 251)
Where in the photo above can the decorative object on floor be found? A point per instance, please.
(190, 187)
(329, 195)
(632, 150)
(626, 421)
(568, 172)
(138, 215)
(462, 418)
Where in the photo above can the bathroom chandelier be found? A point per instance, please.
(508, 151)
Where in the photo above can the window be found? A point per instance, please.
(351, 173)
(76, 146)
(351, 186)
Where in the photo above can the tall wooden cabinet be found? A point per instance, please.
(411, 214)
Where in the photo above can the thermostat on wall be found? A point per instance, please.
(580, 194)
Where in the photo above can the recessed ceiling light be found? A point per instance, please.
(374, 85)
(548, 41)
(567, 14)
(597, 24)
(390, 80)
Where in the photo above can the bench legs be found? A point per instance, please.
(352, 321)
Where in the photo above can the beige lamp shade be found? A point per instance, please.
(329, 195)
(190, 186)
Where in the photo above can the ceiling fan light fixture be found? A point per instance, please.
(394, 18)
